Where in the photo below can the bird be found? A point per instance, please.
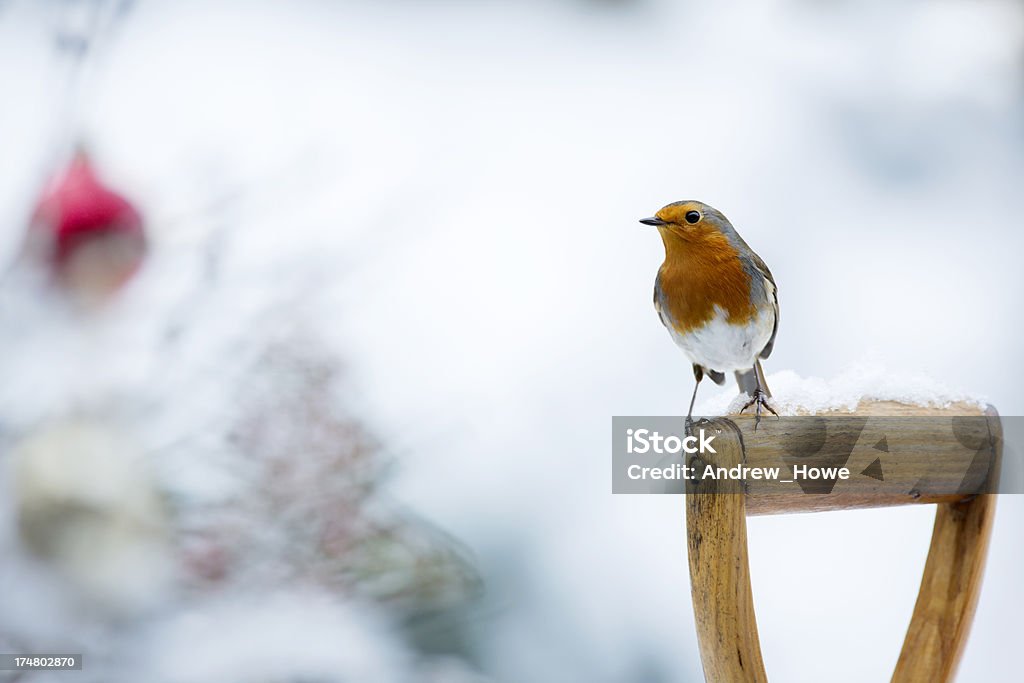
(716, 298)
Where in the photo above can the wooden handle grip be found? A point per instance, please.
(716, 511)
(894, 457)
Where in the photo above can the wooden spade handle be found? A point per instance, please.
(951, 582)
(723, 604)
(949, 592)
(716, 513)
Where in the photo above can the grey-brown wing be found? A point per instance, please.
(762, 268)
(657, 305)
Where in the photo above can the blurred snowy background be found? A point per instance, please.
(394, 288)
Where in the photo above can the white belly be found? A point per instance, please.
(724, 347)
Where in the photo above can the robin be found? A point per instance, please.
(717, 298)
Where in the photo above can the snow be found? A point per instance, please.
(239, 639)
(796, 395)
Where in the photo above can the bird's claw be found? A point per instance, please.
(759, 399)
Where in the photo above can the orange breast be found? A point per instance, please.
(702, 270)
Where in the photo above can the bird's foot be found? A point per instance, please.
(759, 399)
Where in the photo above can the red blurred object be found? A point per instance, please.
(92, 236)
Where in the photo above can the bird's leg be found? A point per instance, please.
(698, 374)
(760, 398)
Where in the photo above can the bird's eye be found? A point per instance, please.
(692, 216)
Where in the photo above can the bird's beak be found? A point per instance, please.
(653, 221)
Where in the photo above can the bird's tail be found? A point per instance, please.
(747, 380)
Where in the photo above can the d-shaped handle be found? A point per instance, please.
(716, 511)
